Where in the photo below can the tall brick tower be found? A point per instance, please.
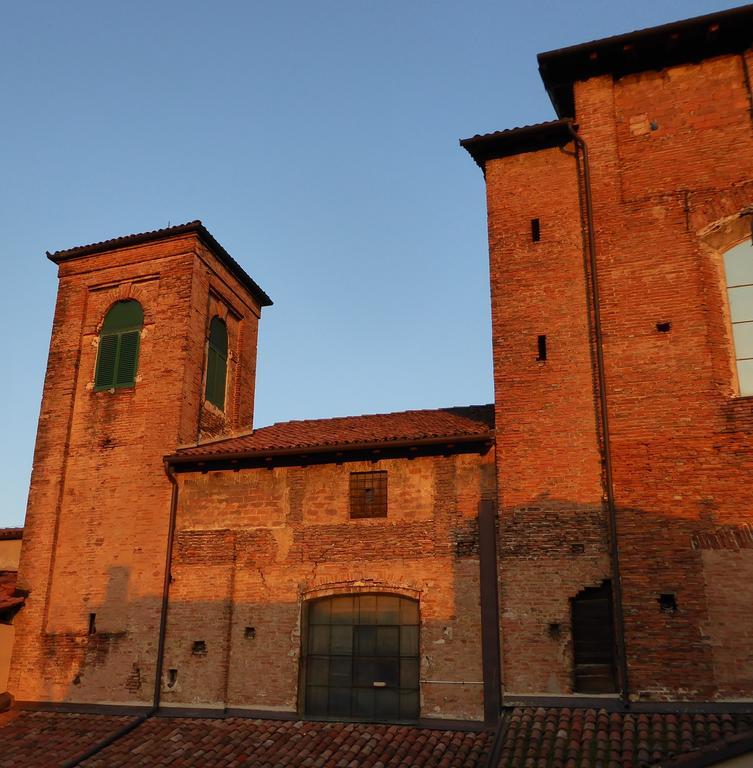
(622, 306)
(153, 346)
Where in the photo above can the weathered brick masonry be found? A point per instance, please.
(671, 159)
(263, 519)
(99, 499)
(253, 545)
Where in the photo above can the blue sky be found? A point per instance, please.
(317, 140)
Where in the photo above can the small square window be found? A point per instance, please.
(368, 494)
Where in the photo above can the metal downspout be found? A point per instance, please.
(606, 450)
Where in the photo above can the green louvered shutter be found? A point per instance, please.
(118, 356)
(216, 363)
(108, 352)
(128, 357)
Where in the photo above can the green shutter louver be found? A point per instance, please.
(108, 352)
(118, 355)
(216, 364)
(128, 357)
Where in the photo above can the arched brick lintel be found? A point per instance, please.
(359, 587)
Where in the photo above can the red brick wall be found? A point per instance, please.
(552, 531)
(252, 545)
(671, 157)
(99, 500)
(681, 440)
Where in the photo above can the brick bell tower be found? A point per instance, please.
(153, 346)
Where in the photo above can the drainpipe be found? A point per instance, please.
(490, 657)
(606, 450)
(138, 720)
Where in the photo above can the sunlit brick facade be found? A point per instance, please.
(617, 456)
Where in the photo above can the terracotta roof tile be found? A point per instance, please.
(534, 738)
(46, 739)
(204, 743)
(354, 430)
(10, 534)
(8, 597)
(587, 738)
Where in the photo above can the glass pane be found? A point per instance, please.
(388, 641)
(364, 672)
(319, 612)
(743, 334)
(745, 377)
(363, 702)
(409, 673)
(409, 705)
(409, 641)
(341, 640)
(343, 610)
(367, 609)
(339, 702)
(319, 639)
(365, 641)
(408, 611)
(387, 703)
(218, 335)
(340, 671)
(318, 671)
(388, 671)
(316, 701)
(738, 264)
(741, 303)
(388, 609)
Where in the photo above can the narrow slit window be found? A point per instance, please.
(216, 364)
(118, 352)
(368, 494)
(535, 230)
(541, 346)
(738, 268)
(92, 629)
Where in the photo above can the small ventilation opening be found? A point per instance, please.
(664, 327)
(535, 230)
(541, 346)
(92, 629)
(250, 633)
(172, 677)
(199, 648)
(668, 603)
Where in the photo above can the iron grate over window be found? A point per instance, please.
(368, 494)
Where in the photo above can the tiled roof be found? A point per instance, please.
(191, 227)
(10, 534)
(514, 141)
(406, 426)
(204, 743)
(534, 738)
(46, 739)
(587, 738)
(8, 590)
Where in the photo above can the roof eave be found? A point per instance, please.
(192, 227)
(655, 48)
(179, 459)
(516, 141)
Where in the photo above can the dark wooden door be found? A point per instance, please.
(593, 640)
(361, 657)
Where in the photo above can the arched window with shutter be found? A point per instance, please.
(118, 353)
(216, 363)
(738, 269)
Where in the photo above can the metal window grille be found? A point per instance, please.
(368, 494)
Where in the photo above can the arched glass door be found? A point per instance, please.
(360, 657)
